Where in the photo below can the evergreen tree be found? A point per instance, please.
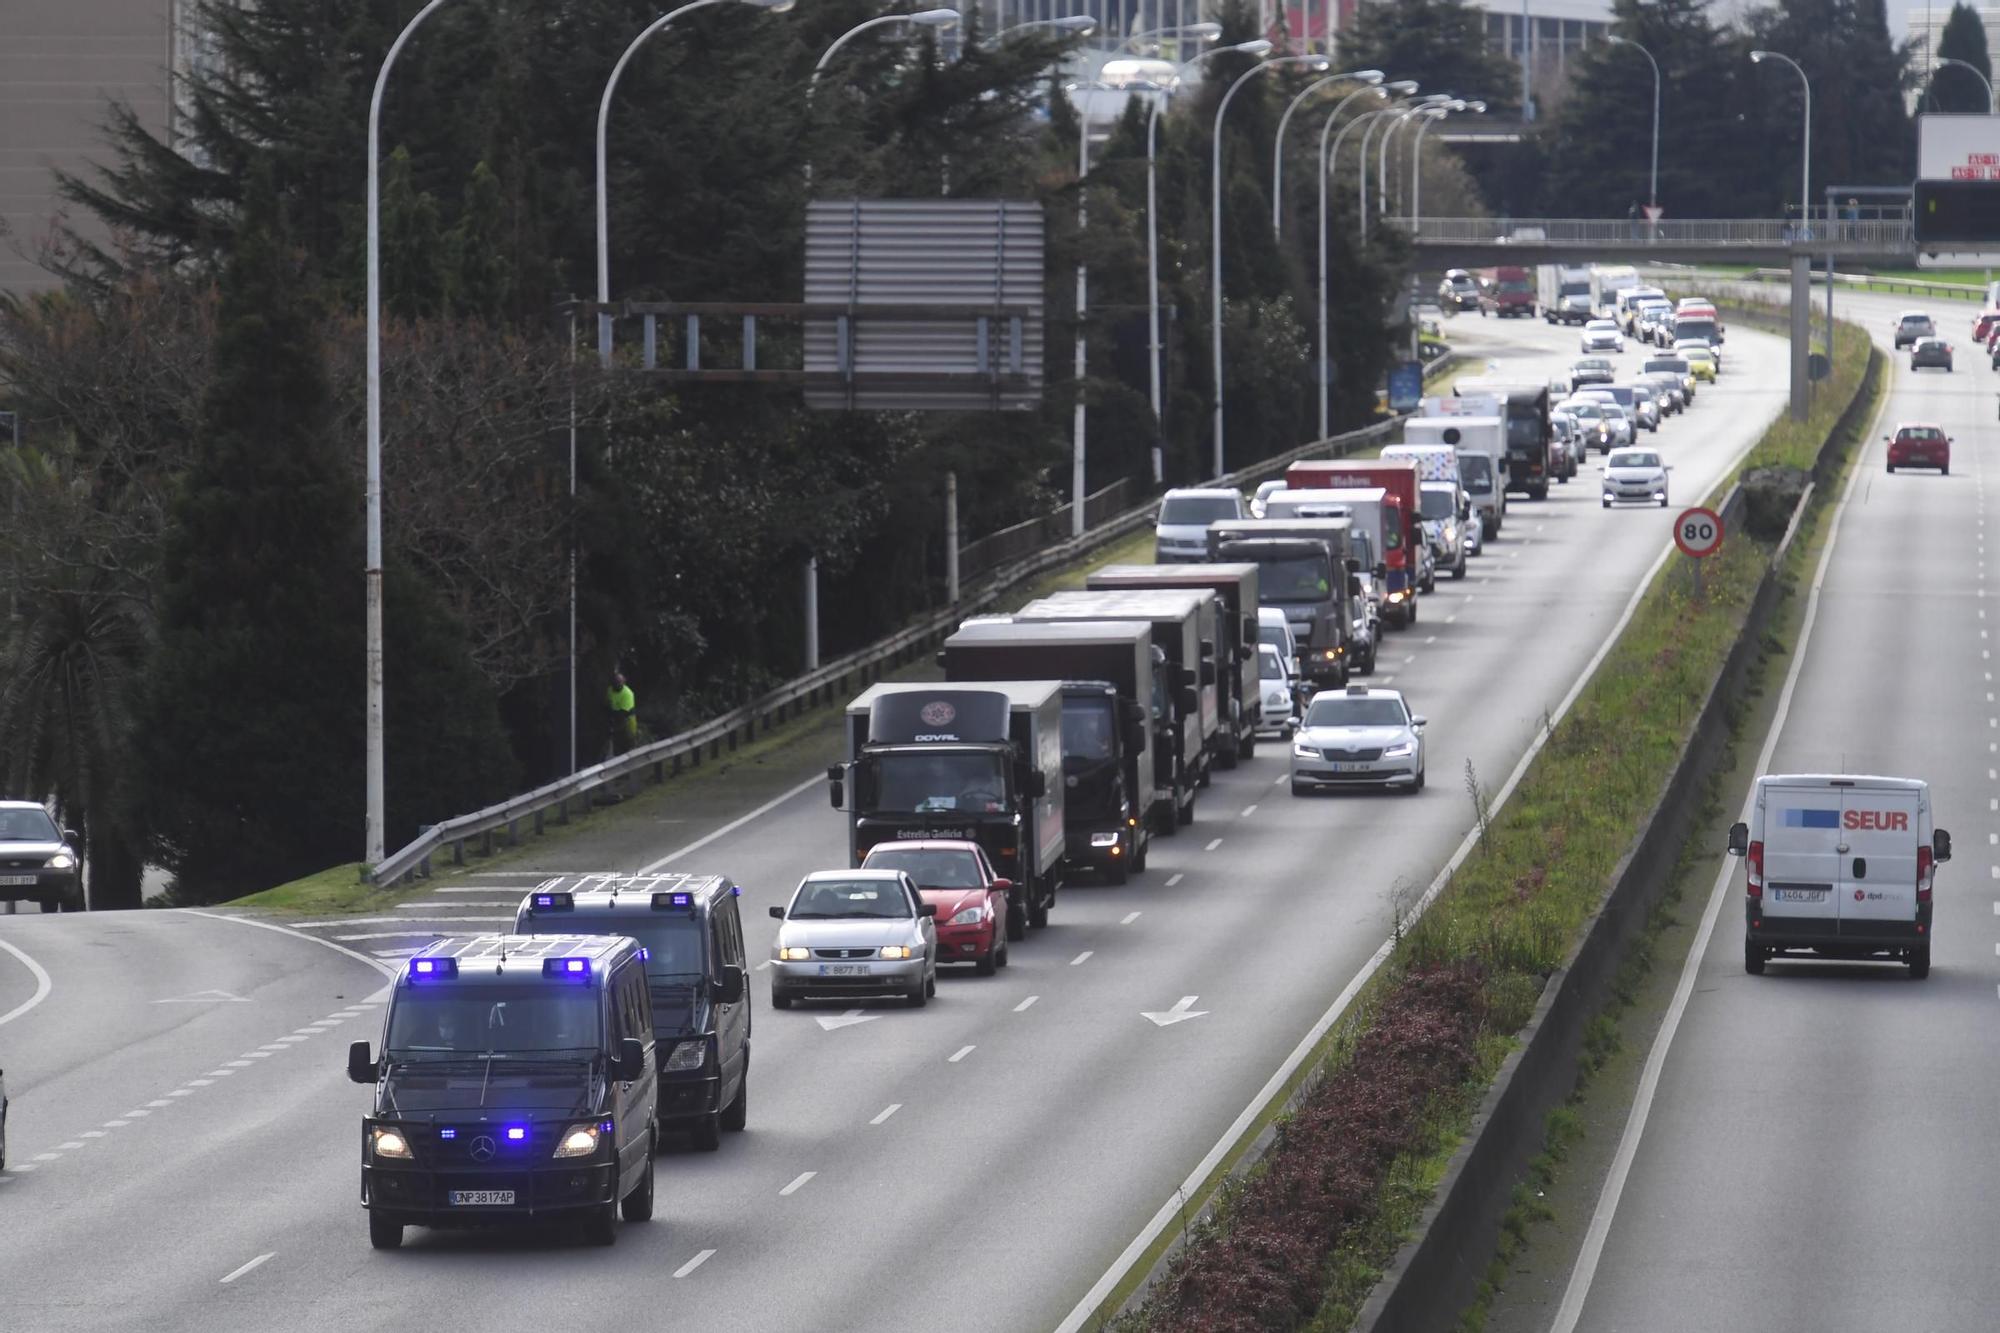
(1440, 43)
(1953, 87)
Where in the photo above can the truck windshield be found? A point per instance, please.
(916, 782)
(1703, 329)
(1475, 473)
(455, 1018)
(1524, 432)
(1437, 504)
(1302, 578)
(1512, 285)
(1086, 730)
(672, 942)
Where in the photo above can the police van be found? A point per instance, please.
(691, 938)
(1839, 866)
(516, 1083)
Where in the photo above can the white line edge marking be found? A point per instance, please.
(1081, 1315)
(737, 823)
(1025, 1003)
(1129, 918)
(1213, 843)
(886, 1112)
(701, 1257)
(959, 1054)
(1585, 1271)
(247, 1267)
(1175, 878)
(1081, 958)
(42, 985)
(797, 1182)
(355, 954)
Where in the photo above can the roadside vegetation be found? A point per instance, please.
(1503, 923)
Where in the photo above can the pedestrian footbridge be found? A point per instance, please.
(1762, 242)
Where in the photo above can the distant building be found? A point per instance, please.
(1551, 31)
(1926, 27)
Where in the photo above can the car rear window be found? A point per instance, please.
(1920, 434)
(931, 868)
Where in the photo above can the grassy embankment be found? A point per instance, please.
(1403, 1074)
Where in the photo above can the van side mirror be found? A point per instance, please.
(1353, 565)
(1189, 699)
(1131, 710)
(631, 1063)
(1382, 571)
(778, 913)
(836, 785)
(940, 659)
(1135, 735)
(1353, 586)
(1208, 647)
(1739, 839)
(729, 987)
(1035, 784)
(361, 1066)
(1208, 673)
(1189, 678)
(1252, 632)
(1940, 846)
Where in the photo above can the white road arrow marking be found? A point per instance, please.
(205, 997)
(1180, 1013)
(846, 1020)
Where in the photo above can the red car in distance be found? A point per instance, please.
(1918, 445)
(955, 876)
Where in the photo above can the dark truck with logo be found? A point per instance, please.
(1106, 670)
(982, 762)
(1236, 652)
(1530, 433)
(1303, 568)
(1183, 622)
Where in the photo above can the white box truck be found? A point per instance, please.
(1481, 444)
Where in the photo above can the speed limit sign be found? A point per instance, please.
(1698, 532)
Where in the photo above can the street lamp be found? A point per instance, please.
(1255, 47)
(1424, 124)
(923, 18)
(1371, 77)
(1991, 108)
(1316, 63)
(372, 570)
(1396, 121)
(1653, 190)
(1325, 170)
(1078, 25)
(1805, 152)
(1200, 32)
(1373, 119)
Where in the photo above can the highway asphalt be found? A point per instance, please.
(974, 1165)
(1818, 1152)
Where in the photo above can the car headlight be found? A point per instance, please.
(1276, 697)
(61, 861)
(794, 955)
(1103, 839)
(580, 1141)
(973, 916)
(389, 1143)
(895, 951)
(1400, 750)
(1300, 750)
(687, 1057)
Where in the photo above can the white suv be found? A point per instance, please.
(1180, 534)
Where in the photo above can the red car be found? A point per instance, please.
(1983, 325)
(1917, 445)
(954, 875)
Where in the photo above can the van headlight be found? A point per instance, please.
(385, 1142)
(580, 1141)
(686, 1058)
(1099, 840)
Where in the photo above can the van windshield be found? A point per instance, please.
(1189, 510)
(1086, 732)
(454, 1018)
(1437, 504)
(672, 941)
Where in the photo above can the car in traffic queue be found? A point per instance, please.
(854, 932)
(1278, 693)
(1590, 370)
(1700, 359)
(1984, 325)
(1359, 736)
(1180, 532)
(1912, 325)
(1919, 444)
(517, 1083)
(1680, 368)
(690, 934)
(1276, 631)
(1645, 405)
(1594, 428)
(1443, 512)
(38, 859)
(1459, 290)
(1666, 388)
(1993, 351)
(1265, 490)
(1839, 866)
(1570, 435)
(1635, 474)
(1930, 353)
(1602, 335)
(954, 876)
(1618, 422)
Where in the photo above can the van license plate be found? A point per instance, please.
(1799, 895)
(843, 969)
(482, 1198)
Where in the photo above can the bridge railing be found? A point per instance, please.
(1885, 234)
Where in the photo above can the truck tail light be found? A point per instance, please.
(1753, 872)
(1923, 875)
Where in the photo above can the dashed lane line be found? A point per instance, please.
(1213, 843)
(886, 1112)
(239, 1272)
(1175, 879)
(701, 1257)
(959, 1054)
(1082, 958)
(1023, 1005)
(1129, 918)
(798, 1183)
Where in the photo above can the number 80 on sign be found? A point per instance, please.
(1698, 532)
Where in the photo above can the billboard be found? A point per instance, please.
(1956, 206)
(1958, 148)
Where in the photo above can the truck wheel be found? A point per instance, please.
(1753, 958)
(1017, 919)
(1541, 492)
(384, 1234)
(1247, 747)
(1227, 758)
(1140, 846)
(1920, 962)
(1038, 913)
(706, 1133)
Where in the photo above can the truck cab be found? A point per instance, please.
(1530, 436)
(1305, 568)
(1236, 650)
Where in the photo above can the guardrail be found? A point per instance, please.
(976, 557)
(656, 762)
(1880, 236)
(1951, 291)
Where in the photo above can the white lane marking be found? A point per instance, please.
(833, 1023)
(247, 1267)
(1995, 870)
(1411, 658)
(1384, 680)
(761, 966)
(23, 1168)
(134, 1115)
(71, 1146)
(1213, 843)
(1082, 958)
(116, 1124)
(798, 1182)
(376, 963)
(1129, 918)
(886, 1112)
(218, 1073)
(48, 1156)
(91, 1134)
(288, 1041)
(1248, 810)
(736, 823)
(369, 921)
(1993, 839)
(178, 1092)
(156, 1104)
(1581, 1276)
(1025, 1003)
(421, 933)
(1175, 879)
(42, 985)
(205, 997)
(303, 1032)
(1451, 619)
(236, 1064)
(959, 1054)
(1432, 639)
(701, 1257)
(1180, 1013)
(1281, 782)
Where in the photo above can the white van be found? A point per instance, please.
(1839, 866)
(1480, 443)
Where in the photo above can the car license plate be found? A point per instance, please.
(482, 1198)
(1344, 768)
(1799, 895)
(844, 969)
(17, 879)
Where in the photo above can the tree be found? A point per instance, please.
(1440, 43)
(1953, 87)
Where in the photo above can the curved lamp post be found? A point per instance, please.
(1371, 77)
(1805, 152)
(1215, 224)
(1325, 170)
(1396, 122)
(1653, 187)
(1424, 124)
(1991, 108)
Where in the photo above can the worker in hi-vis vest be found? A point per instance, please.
(623, 708)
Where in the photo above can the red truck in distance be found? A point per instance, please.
(1512, 292)
(1400, 478)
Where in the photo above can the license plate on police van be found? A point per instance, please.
(1799, 895)
(17, 879)
(482, 1198)
(843, 969)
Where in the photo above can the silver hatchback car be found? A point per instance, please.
(855, 932)
(1358, 736)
